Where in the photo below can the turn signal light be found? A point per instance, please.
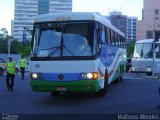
(95, 75)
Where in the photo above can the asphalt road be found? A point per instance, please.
(134, 95)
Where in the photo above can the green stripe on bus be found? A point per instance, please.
(76, 86)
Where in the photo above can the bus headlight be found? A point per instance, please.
(133, 69)
(34, 75)
(149, 69)
(90, 76)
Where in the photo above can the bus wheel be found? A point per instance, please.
(55, 93)
(102, 92)
(1, 71)
(149, 74)
(121, 75)
(120, 78)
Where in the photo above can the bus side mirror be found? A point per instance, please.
(28, 30)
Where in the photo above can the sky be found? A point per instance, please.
(127, 7)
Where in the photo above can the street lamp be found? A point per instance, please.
(9, 47)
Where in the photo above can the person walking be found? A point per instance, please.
(22, 63)
(11, 71)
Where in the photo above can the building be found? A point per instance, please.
(26, 11)
(118, 20)
(59, 6)
(43, 6)
(131, 29)
(124, 23)
(150, 20)
(12, 27)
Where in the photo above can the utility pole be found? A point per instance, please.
(154, 40)
(9, 47)
(154, 29)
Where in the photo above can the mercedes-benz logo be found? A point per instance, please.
(60, 77)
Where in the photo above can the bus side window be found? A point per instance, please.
(119, 40)
(106, 35)
(113, 38)
(124, 42)
(103, 35)
(98, 31)
(109, 36)
(116, 39)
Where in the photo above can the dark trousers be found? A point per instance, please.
(22, 72)
(10, 80)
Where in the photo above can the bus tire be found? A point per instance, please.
(149, 74)
(121, 74)
(102, 92)
(120, 77)
(54, 94)
(1, 71)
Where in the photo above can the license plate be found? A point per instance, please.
(61, 89)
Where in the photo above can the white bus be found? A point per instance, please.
(76, 52)
(142, 61)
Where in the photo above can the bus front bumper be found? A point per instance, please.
(74, 86)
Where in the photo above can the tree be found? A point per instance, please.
(16, 46)
(24, 48)
(3, 46)
(130, 48)
(5, 31)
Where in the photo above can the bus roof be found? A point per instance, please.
(77, 16)
(147, 41)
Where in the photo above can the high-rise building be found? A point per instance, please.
(26, 11)
(124, 23)
(43, 6)
(119, 20)
(131, 29)
(59, 6)
(150, 20)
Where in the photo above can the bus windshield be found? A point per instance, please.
(63, 39)
(143, 50)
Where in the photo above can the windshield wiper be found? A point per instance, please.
(52, 48)
(69, 50)
(53, 52)
(56, 48)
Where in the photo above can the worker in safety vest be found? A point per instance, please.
(22, 64)
(11, 71)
